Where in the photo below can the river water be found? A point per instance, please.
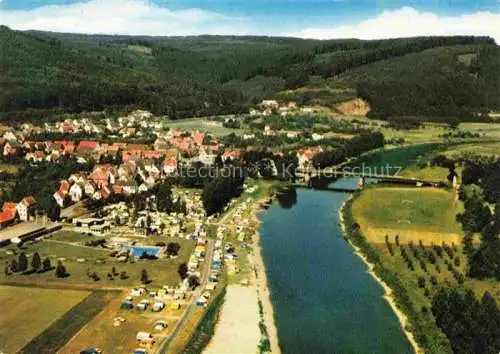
(324, 300)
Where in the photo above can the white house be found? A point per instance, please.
(76, 192)
(89, 188)
(60, 198)
(25, 208)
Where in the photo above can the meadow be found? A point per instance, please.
(79, 260)
(202, 124)
(413, 213)
(27, 312)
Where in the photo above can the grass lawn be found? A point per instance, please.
(96, 259)
(201, 124)
(434, 173)
(74, 237)
(413, 213)
(27, 312)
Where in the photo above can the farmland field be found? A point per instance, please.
(27, 312)
(424, 213)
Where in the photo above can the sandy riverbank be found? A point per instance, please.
(264, 295)
(238, 328)
(388, 293)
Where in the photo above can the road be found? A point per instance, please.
(204, 278)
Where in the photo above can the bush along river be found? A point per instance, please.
(324, 300)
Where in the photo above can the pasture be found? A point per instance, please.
(27, 312)
(413, 213)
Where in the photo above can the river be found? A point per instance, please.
(324, 300)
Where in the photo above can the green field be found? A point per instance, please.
(409, 208)
(484, 149)
(79, 260)
(201, 124)
(27, 312)
(434, 173)
(412, 213)
(433, 132)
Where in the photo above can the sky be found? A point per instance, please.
(365, 19)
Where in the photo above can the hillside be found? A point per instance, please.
(46, 72)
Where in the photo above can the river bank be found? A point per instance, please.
(246, 321)
(388, 292)
(263, 289)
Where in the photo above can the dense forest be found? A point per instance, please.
(45, 73)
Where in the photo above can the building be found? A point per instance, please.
(26, 208)
(8, 214)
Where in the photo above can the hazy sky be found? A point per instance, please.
(302, 18)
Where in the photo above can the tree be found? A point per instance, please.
(173, 249)
(144, 276)
(7, 270)
(227, 184)
(14, 266)
(183, 270)
(164, 198)
(471, 326)
(421, 282)
(194, 281)
(46, 264)
(36, 262)
(468, 243)
(61, 270)
(54, 211)
(23, 262)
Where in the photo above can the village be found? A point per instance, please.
(167, 264)
(125, 223)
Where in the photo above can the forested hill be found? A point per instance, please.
(43, 72)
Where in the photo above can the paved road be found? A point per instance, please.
(204, 278)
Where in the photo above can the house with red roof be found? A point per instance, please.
(8, 214)
(151, 154)
(169, 166)
(64, 187)
(198, 138)
(87, 147)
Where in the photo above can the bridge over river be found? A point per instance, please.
(330, 172)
